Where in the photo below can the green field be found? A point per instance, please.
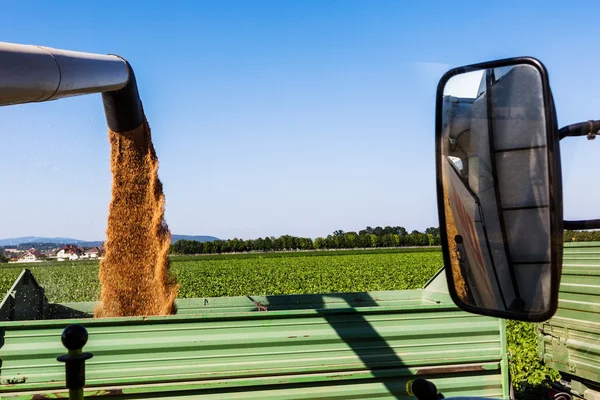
(239, 275)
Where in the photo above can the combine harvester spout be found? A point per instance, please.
(31, 74)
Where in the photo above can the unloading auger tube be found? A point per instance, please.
(31, 74)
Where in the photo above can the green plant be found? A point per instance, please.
(529, 376)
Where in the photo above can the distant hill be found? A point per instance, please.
(62, 241)
(199, 238)
(38, 239)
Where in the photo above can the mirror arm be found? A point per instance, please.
(588, 128)
(582, 224)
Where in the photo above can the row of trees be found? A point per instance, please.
(581, 236)
(367, 238)
(388, 236)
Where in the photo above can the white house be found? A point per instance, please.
(62, 253)
(93, 253)
(71, 252)
(30, 255)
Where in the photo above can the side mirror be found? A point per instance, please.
(499, 189)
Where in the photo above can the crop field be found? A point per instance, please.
(237, 275)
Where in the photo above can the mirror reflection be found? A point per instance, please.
(494, 173)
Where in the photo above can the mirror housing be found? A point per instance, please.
(499, 189)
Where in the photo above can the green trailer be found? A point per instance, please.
(330, 346)
(570, 341)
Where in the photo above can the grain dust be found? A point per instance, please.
(134, 273)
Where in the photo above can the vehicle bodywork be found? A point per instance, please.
(570, 341)
(330, 346)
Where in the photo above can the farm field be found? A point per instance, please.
(252, 274)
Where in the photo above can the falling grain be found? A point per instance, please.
(451, 232)
(134, 273)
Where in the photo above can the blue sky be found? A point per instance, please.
(279, 117)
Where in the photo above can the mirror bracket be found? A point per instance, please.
(589, 128)
(581, 224)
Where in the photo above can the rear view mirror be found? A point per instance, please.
(499, 189)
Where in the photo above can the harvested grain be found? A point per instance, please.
(451, 232)
(134, 273)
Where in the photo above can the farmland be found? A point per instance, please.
(253, 274)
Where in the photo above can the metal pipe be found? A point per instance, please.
(123, 107)
(581, 224)
(35, 73)
(590, 129)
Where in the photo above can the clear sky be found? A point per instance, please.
(280, 117)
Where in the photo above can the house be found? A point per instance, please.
(12, 254)
(70, 251)
(31, 255)
(92, 253)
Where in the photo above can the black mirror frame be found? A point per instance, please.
(555, 186)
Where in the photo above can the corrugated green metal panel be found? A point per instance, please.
(579, 245)
(330, 352)
(260, 303)
(570, 341)
(354, 385)
(159, 351)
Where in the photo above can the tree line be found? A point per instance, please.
(581, 236)
(366, 238)
(369, 237)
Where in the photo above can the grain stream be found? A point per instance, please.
(134, 274)
(451, 232)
